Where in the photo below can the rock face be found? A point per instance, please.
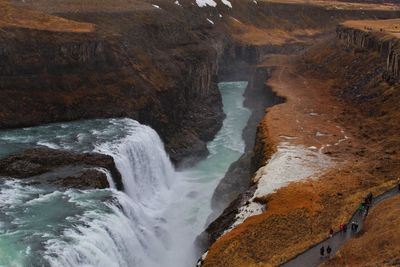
(157, 66)
(133, 59)
(62, 168)
(388, 47)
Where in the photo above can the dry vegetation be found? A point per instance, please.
(341, 4)
(245, 33)
(301, 214)
(378, 244)
(390, 26)
(12, 16)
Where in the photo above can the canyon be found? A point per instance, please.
(323, 80)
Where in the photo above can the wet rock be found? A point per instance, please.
(227, 218)
(63, 168)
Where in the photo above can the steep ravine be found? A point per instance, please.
(348, 121)
(157, 71)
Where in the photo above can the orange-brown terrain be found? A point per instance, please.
(378, 244)
(340, 101)
(69, 60)
(12, 16)
(154, 61)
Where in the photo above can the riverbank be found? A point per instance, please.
(326, 117)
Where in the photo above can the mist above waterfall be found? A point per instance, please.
(153, 223)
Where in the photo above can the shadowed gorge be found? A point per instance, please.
(218, 132)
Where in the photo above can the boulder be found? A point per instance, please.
(61, 168)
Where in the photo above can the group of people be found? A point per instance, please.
(364, 206)
(328, 251)
(362, 209)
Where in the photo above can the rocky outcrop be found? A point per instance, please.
(387, 46)
(62, 168)
(155, 65)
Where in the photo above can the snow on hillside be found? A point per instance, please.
(203, 3)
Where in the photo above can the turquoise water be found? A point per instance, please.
(154, 223)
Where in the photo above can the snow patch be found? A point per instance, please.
(227, 3)
(156, 6)
(236, 20)
(177, 3)
(288, 137)
(210, 21)
(319, 134)
(289, 164)
(255, 2)
(203, 3)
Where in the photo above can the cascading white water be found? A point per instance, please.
(142, 161)
(101, 227)
(134, 234)
(153, 224)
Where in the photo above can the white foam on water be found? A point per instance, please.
(108, 175)
(153, 224)
(143, 163)
(13, 193)
(123, 237)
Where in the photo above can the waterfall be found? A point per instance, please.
(154, 223)
(126, 236)
(100, 227)
(142, 161)
(133, 233)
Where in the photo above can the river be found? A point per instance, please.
(154, 222)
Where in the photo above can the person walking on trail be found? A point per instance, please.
(344, 228)
(366, 211)
(361, 208)
(331, 232)
(370, 198)
(354, 226)
(328, 251)
(341, 227)
(322, 251)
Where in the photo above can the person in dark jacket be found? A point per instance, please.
(322, 251)
(328, 251)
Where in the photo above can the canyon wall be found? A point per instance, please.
(387, 46)
(150, 65)
(153, 61)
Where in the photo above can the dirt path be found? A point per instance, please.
(317, 118)
(311, 257)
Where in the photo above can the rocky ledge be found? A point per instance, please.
(61, 168)
(382, 36)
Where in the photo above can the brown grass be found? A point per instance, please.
(12, 16)
(250, 34)
(379, 243)
(390, 26)
(329, 4)
(302, 213)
